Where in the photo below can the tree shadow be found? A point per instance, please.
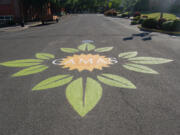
(145, 36)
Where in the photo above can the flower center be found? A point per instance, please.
(85, 62)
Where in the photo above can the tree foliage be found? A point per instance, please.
(90, 5)
(69, 5)
(176, 7)
(151, 5)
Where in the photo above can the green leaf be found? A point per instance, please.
(30, 70)
(53, 82)
(90, 47)
(87, 46)
(127, 55)
(45, 56)
(22, 63)
(105, 49)
(82, 100)
(82, 47)
(69, 50)
(140, 68)
(116, 81)
(149, 60)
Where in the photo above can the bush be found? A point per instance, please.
(176, 25)
(134, 22)
(137, 14)
(161, 21)
(168, 25)
(110, 12)
(126, 14)
(150, 23)
(141, 20)
(171, 25)
(136, 18)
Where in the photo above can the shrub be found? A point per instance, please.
(176, 25)
(134, 22)
(171, 25)
(126, 14)
(137, 14)
(161, 21)
(168, 25)
(150, 23)
(141, 20)
(110, 12)
(136, 18)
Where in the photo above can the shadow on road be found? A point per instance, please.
(145, 36)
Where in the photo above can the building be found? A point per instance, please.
(9, 10)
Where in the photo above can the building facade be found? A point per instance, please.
(9, 10)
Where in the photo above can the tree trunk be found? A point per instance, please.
(161, 16)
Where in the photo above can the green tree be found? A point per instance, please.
(141, 5)
(176, 7)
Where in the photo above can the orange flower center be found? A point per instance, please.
(85, 62)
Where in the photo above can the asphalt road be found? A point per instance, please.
(151, 107)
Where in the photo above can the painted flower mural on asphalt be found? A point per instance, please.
(84, 93)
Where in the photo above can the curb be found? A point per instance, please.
(34, 24)
(13, 29)
(18, 28)
(160, 31)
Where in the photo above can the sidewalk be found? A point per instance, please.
(29, 24)
(19, 28)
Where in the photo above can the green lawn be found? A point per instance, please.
(157, 15)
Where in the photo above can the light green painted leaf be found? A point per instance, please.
(30, 70)
(127, 55)
(87, 46)
(116, 81)
(53, 82)
(45, 56)
(90, 47)
(22, 63)
(139, 68)
(69, 50)
(82, 47)
(105, 49)
(149, 60)
(80, 101)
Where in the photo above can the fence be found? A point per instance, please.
(6, 20)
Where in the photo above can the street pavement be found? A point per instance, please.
(147, 102)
